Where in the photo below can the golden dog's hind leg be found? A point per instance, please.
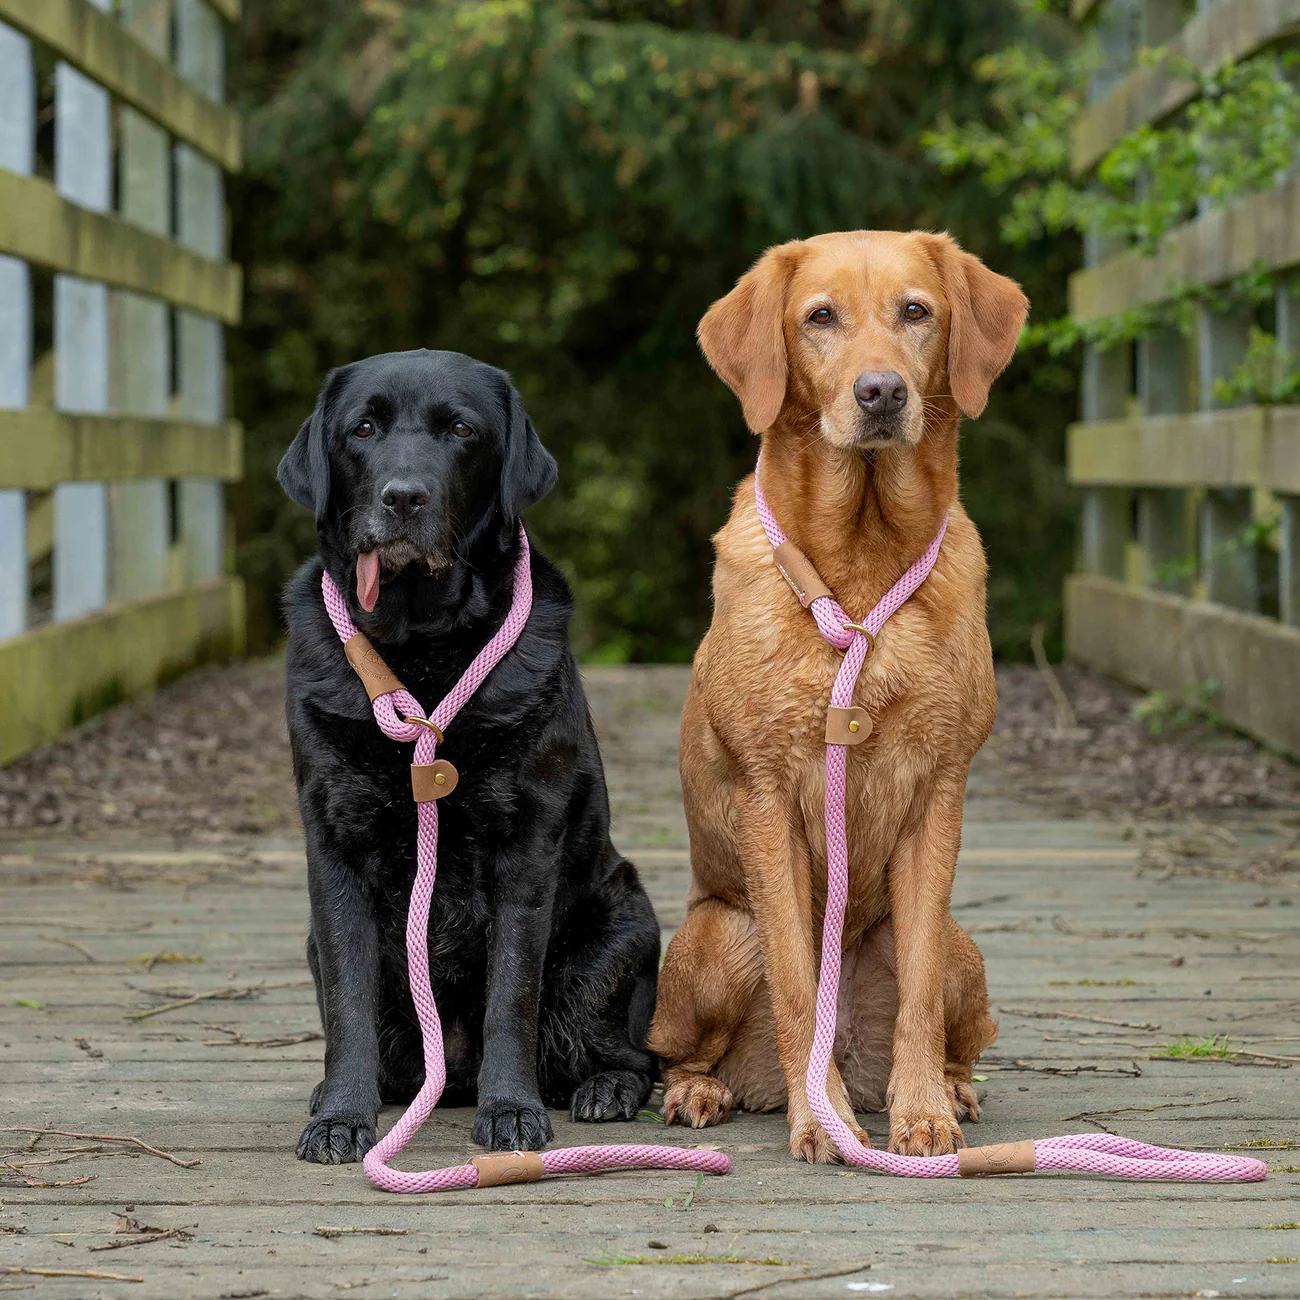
(713, 965)
(967, 1025)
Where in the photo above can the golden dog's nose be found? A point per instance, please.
(880, 392)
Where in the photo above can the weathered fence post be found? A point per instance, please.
(1207, 472)
(116, 489)
(17, 143)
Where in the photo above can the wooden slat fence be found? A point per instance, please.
(115, 288)
(1182, 577)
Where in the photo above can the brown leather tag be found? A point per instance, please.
(376, 676)
(432, 780)
(796, 568)
(847, 726)
(508, 1167)
(1000, 1158)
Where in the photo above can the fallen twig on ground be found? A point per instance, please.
(37, 1182)
(237, 1038)
(163, 956)
(1267, 1064)
(331, 1233)
(25, 1271)
(146, 1233)
(1164, 1105)
(1133, 1072)
(791, 1281)
(212, 995)
(1074, 1015)
(103, 1137)
(1065, 718)
(74, 945)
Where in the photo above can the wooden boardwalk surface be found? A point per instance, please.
(1094, 969)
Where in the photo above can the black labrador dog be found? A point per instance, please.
(543, 947)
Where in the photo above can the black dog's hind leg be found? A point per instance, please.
(343, 953)
(600, 1000)
(511, 1116)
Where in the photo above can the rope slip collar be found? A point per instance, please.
(402, 719)
(1099, 1153)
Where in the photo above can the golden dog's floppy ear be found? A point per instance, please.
(743, 336)
(987, 313)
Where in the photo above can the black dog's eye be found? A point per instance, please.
(364, 429)
(822, 316)
(461, 429)
(915, 311)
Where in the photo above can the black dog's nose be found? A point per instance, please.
(404, 498)
(880, 392)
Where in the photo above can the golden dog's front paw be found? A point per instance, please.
(961, 1096)
(810, 1142)
(924, 1135)
(696, 1100)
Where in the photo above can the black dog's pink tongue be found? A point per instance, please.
(368, 580)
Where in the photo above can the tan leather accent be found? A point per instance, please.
(508, 1167)
(847, 726)
(1000, 1158)
(432, 780)
(376, 676)
(796, 568)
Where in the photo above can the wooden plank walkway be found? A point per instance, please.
(1094, 968)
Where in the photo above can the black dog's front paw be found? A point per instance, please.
(336, 1139)
(615, 1094)
(502, 1125)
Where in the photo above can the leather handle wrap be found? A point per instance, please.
(1000, 1158)
(376, 676)
(508, 1167)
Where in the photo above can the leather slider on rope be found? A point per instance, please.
(797, 569)
(368, 664)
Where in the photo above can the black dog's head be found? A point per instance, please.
(409, 458)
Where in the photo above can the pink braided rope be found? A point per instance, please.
(390, 712)
(1099, 1153)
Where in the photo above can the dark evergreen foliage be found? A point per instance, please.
(561, 188)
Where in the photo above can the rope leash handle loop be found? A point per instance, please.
(401, 718)
(1095, 1153)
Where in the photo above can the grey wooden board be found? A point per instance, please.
(1051, 903)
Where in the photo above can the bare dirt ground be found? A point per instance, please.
(208, 757)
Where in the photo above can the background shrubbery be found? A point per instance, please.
(561, 187)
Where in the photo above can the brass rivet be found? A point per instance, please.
(439, 778)
(855, 725)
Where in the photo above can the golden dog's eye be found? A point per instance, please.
(822, 316)
(364, 429)
(461, 429)
(915, 311)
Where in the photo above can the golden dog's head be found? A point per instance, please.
(860, 331)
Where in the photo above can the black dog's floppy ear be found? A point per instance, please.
(304, 472)
(529, 472)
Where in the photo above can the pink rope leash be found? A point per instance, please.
(391, 713)
(1098, 1153)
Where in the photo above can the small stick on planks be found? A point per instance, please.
(360, 1232)
(23, 1271)
(104, 1137)
(1074, 1015)
(1065, 718)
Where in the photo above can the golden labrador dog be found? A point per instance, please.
(853, 355)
